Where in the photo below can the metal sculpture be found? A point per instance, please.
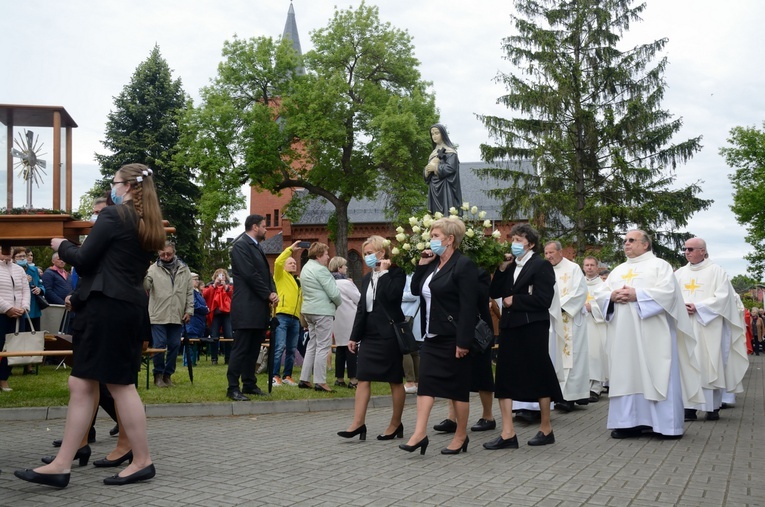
(29, 165)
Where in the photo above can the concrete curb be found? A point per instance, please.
(212, 409)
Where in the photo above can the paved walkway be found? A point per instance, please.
(293, 458)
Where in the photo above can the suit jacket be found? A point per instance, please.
(390, 290)
(253, 284)
(532, 293)
(454, 293)
(112, 260)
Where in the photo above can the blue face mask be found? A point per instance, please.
(23, 263)
(116, 199)
(437, 247)
(371, 260)
(517, 249)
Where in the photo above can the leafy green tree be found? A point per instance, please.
(356, 123)
(589, 117)
(144, 128)
(743, 283)
(746, 154)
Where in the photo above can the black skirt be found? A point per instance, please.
(107, 336)
(481, 374)
(525, 371)
(442, 375)
(379, 358)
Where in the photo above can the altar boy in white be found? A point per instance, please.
(711, 304)
(653, 371)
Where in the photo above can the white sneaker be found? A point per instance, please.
(288, 380)
(277, 381)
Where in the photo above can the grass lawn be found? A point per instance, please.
(49, 387)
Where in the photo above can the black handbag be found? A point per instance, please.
(483, 336)
(42, 303)
(406, 341)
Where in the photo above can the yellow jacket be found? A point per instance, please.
(286, 286)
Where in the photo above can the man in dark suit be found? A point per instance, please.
(254, 293)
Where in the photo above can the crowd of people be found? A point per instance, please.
(662, 344)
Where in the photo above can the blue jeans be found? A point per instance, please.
(166, 335)
(285, 340)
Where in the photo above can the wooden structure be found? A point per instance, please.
(55, 117)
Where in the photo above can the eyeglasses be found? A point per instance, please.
(631, 240)
(690, 248)
(117, 183)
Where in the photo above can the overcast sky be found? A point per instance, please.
(79, 54)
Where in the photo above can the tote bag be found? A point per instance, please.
(24, 342)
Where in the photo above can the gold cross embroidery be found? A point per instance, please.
(691, 287)
(629, 276)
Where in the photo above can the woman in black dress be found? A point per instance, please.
(447, 284)
(374, 340)
(525, 371)
(112, 322)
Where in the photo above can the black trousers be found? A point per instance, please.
(244, 356)
(344, 357)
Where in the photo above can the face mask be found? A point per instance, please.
(116, 199)
(437, 247)
(517, 249)
(370, 260)
(23, 263)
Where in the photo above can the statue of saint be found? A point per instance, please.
(443, 173)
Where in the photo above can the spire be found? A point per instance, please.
(291, 32)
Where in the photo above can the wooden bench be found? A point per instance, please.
(146, 357)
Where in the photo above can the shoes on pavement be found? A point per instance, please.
(484, 425)
(690, 414)
(447, 426)
(237, 396)
(594, 397)
(502, 443)
(528, 416)
(566, 406)
(713, 416)
(542, 439)
(629, 432)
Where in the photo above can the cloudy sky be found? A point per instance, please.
(79, 54)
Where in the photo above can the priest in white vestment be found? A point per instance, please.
(729, 398)
(653, 370)
(720, 334)
(573, 295)
(596, 329)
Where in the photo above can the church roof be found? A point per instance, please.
(368, 211)
(291, 32)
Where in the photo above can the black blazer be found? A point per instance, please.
(454, 293)
(390, 291)
(532, 292)
(253, 284)
(111, 259)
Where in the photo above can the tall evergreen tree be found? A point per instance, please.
(144, 128)
(589, 117)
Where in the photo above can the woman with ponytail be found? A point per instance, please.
(111, 325)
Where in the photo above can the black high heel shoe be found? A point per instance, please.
(141, 475)
(104, 463)
(399, 433)
(422, 445)
(361, 431)
(446, 450)
(55, 480)
(82, 454)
